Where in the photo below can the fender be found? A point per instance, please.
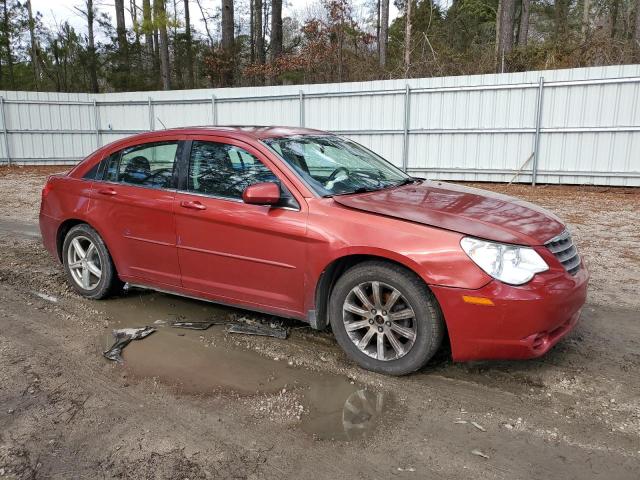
(322, 281)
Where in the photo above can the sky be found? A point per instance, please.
(57, 11)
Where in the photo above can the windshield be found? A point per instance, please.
(334, 166)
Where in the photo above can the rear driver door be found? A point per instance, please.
(132, 207)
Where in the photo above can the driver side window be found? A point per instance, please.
(148, 165)
(224, 170)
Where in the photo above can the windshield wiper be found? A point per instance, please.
(357, 190)
(406, 181)
(364, 190)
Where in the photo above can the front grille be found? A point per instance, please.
(565, 251)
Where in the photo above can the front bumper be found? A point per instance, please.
(524, 322)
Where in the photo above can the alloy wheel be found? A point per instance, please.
(379, 321)
(84, 263)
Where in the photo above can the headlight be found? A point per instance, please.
(507, 263)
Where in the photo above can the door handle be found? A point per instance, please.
(193, 205)
(107, 191)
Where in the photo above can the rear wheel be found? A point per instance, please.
(385, 318)
(88, 264)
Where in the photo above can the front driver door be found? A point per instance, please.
(245, 254)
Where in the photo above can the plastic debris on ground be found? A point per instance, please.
(479, 453)
(478, 426)
(122, 338)
(272, 330)
(44, 296)
(195, 325)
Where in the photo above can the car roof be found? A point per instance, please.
(238, 131)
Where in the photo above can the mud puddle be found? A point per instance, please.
(207, 362)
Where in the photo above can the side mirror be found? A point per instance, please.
(266, 193)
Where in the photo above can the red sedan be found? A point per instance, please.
(307, 225)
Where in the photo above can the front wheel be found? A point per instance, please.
(88, 264)
(385, 318)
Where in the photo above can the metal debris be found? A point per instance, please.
(195, 325)
(461, 422)
(259, 329)
(122, 338)
(479, 453)
(478, 426)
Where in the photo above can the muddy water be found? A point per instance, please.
(207, 362)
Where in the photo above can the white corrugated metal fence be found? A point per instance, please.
(578, 126)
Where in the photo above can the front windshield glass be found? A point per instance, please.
(333, 166)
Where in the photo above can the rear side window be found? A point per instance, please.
(112, 162)
(224, 170)
(148, 165)
(95, 172)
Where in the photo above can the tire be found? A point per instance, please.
(415, 314)
(97, 259)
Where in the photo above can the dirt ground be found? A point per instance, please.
(210, 404)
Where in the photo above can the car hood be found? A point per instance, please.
(467, 210)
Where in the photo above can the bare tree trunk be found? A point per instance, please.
(147, 28)
(93, 68)
(178, 60)
(228, 38)
(636, 34)
(586, 6)
(123, 50)
(156, 47)
(504, 31)
(252, 33)
(407, 37)
(258, 31)
(561, 11)
(340, 50)
(276, 29)
(160, 16)
(498, 26)
(7, 44)
(187, 23)
(34, 45)
(266, 11)
(133, 6)
(227, 24)
(615, 9)
(378, 20)
(206, 23)
(1, 74)
(121, 31)
(156, 44)
(147, 24)
(383, 37)
(523, 29)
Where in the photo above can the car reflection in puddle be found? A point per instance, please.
(357, 418)
(361, 413)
